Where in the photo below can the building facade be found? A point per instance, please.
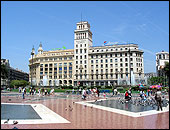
(13, 74)
(161, 59)
(54, 66)
(107, 65)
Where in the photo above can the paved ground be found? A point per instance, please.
(82, 117)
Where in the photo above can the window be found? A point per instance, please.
(125, 54)
(85, 57)
(101, 56)
(111, 60)
(91, 56)
(46, 65)
(76, 62)
(106, 60)
(84, 50)
(41, 65)
(80, 57)
(80, 50)
(115, 55)
(92, 61)
(81, 62)
(121, 64)
(120, 54)
(96, 61)
(120, 59)
(76, 51)
(106, 55)
(70, 63)
(101, 61)
(131, 59)
(106, 65)
(55, 64)
(101, 65)
(126, 64)
(96, 66)
(65, 58)
(76, 57)
(115, 60)
(110, 55)
(126, 59)
(96, 56)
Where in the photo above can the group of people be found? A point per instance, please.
(91, 92)
(33, 91)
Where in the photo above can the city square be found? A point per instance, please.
(99, 81)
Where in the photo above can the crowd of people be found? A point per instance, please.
(33, 91)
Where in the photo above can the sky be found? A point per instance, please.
(25, 24)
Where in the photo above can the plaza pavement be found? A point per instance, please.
(84, 117)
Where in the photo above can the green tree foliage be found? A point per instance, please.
(166, 68)
(156, 80)
(18, 83)
(4, 71)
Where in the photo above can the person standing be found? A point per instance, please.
(39, 91)
(113, 91)
(98, 92)
(23, 92)
(158, 99)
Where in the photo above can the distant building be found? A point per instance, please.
(151, 74)
(161, 59)
(13, 74)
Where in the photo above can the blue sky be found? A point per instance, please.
(27, 23)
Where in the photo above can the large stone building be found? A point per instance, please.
(88, 65)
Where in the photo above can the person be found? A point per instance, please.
(39, 92)
(104, 94)
(126, 95)
(148, 92)
(158, 99)
(30, 91)
(80, 91)
(34, 91)
(84, 94)
(113, 91)
(19, 89)
(45, 91)
(52, 91)
(129, 93)
(73, 91)
(98, 92)
(23, 91)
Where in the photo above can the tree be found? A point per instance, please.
(4, 71)
(166, 69)
(18, 83)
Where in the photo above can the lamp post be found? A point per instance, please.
(32, 53)
(129, 66)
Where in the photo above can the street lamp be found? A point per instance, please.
(32, 53)
(129, 66)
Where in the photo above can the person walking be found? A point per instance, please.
(113, 91)
(158, 99)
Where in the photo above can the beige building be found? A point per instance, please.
(53, 66)
(106, 65)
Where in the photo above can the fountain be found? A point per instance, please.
(133, 78)
(45, 80)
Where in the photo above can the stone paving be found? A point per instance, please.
(82, 116)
